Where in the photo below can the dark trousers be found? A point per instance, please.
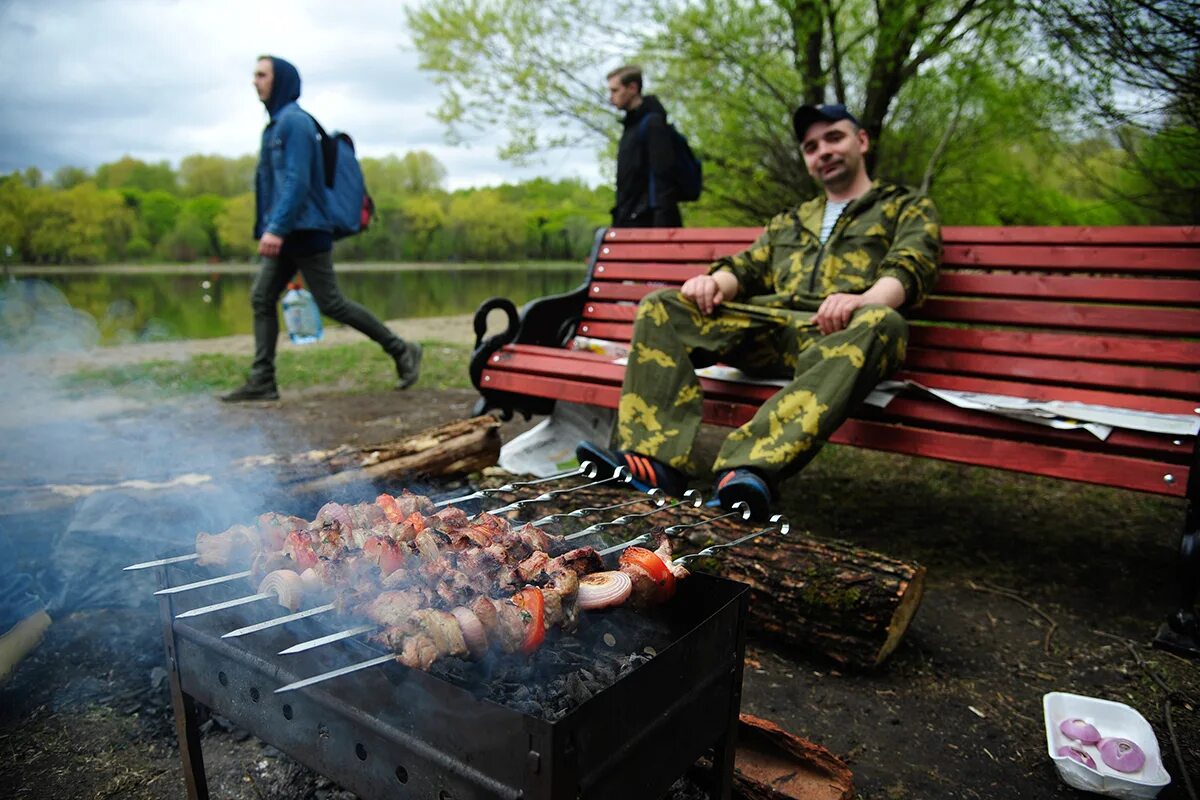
(317, 271)
(667, 216)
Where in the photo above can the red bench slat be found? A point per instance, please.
(1146, 380)
(1088, 259)
(1143, 235)
(1160, 352)
(1164, 291)
(1109, 470)
(1028, 313)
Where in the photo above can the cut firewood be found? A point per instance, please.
(846, 603)
(453, 449)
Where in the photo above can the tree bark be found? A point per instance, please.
(850, 604)
(452, 449)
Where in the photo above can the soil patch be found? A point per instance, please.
(1034, 586)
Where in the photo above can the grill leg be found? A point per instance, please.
(725, 748)
(187, 724)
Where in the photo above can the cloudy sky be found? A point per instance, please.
(83, 82)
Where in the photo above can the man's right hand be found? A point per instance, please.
(709, 291)
(269, 245)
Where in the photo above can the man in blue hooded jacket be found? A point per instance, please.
(295, 234)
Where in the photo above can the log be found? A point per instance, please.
(452, 449)
(850, 604)
(847, 603)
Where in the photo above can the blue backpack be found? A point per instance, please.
(687, 174)
(350, 204)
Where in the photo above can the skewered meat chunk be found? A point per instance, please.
(401, 507)
(392, 609)
(219, 549)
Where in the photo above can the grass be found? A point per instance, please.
(352, 368)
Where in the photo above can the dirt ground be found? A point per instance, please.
(1034, 586)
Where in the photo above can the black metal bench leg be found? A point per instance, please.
(1181, 632)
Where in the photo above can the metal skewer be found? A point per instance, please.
(323, 640)
(583, 512)
(162, 562)
(271, 623)
(778, 524)
(324, 676)
(237, 601)
(184, 587)
(744, 513)
(690, 497)
(586, 469)
(620, 473)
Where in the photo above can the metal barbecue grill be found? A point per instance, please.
(621, 708)
(397, 732)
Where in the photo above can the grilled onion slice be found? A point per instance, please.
(287, 585)
(604, 589)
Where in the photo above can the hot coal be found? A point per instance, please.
(568, 670)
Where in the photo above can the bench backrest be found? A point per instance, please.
(1109, 316)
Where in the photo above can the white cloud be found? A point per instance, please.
(83, 83)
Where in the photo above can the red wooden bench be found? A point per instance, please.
(1103, 316)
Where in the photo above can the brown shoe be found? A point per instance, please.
(20, 641)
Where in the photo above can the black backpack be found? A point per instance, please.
(350, 203)
(686, 171)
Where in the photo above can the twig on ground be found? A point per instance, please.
(1012, 595)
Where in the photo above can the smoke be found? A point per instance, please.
(93, 480)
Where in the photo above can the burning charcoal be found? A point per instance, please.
(577, 691)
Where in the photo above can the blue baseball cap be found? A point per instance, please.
(805, 116)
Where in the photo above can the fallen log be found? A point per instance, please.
(452, 449)
(850, 604)
(847, 603)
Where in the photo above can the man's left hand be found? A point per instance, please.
(836, 310)
(269, 245)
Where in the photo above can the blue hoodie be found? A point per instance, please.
(289, 183)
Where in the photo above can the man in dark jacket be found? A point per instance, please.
(646, 194)
(295, 234)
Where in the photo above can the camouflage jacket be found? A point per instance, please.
(891, 230)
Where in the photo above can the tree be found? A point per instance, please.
(216, 175)
(1138, 63)
(733, 71)
(132, 173)
(83, 224)
(67, 177)
(235, 227)
(416, 172)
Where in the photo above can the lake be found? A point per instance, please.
(141, 304)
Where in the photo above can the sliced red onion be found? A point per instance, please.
(334, 512)
(1080, 730)
(604, 589)
(1075, 754)
(1121, 754)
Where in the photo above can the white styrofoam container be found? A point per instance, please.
(1112, 720)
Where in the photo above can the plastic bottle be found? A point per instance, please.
(301, 316)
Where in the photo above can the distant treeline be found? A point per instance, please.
(131, 210)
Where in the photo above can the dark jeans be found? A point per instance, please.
(16, 600)
(317, 270)
(662, 217)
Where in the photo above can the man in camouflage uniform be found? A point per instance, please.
(816, 298)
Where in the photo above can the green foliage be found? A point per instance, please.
(132, 173)
(216, 175)
(235, 227)
(82, 225)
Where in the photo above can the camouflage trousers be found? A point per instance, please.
(661, 400)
